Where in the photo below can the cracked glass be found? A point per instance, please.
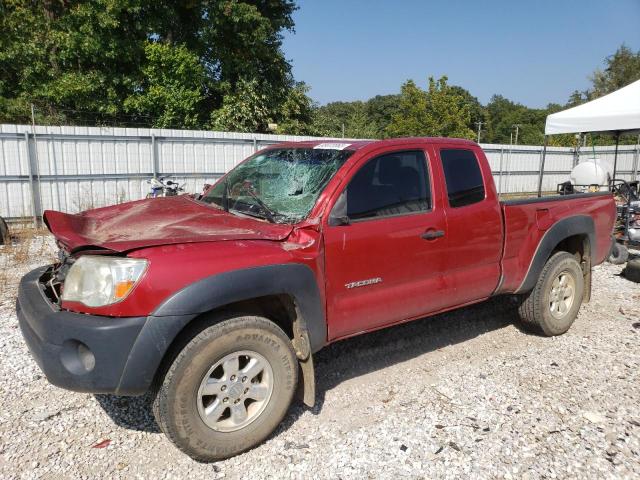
(280, 185)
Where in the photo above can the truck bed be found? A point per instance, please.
(527, 221)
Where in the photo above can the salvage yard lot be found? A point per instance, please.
(462, 394)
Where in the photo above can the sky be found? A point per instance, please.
(533, 52)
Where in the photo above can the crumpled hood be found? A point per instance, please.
(156, 221)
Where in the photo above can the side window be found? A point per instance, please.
(392, 184)
(463, 177)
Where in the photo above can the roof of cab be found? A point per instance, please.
(358, 144)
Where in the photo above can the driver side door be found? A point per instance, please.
(385, 260)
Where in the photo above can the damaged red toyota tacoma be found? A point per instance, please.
(216, 304)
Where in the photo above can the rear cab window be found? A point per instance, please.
(463, 177)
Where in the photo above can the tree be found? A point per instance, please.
(504, 115)
(87, 61)
(449, 114)
(380, 110)
(411, 117)
(359, 124)
(295, 115)
(331, 118)
(245, 109)
(440, 111)
(622, 68)
(171, 87)
(477, 113)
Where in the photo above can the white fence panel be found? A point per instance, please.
(75, 168)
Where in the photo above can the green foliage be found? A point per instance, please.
(295, 115)
(171, 87)
(411, 117)
(477, 113)
(128, 62)
(504, 115)
(359, 125)
(380, 110)
(331, 119)
(245, 109)
(411, 112)
(622, 68)
(219, 64)
(439, 112)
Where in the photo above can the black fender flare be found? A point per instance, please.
(216, 291)
(561, 230)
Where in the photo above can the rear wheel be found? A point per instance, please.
(228, 388)
(619, 254)
(553, 304)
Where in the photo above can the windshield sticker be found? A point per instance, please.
(332, 146)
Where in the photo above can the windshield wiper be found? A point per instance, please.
(269, 213)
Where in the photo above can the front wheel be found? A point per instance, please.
(228, 388)
(553, 304)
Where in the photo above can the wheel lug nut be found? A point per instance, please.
(244, 379)
(225, 400)
(233, 377)
(246, 390)
(223, 388)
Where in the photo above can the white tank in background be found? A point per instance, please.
(591, 172)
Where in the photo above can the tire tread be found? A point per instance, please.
(160, 389)
(530, 308)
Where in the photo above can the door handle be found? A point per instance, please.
(432, 234)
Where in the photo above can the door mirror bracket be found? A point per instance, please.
(339, 221)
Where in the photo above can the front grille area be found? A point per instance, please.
(52, 280)
(51, 287)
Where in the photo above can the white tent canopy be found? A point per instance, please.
(616, 112)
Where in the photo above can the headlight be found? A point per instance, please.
(99, 280)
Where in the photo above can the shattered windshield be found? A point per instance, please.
(279, 185)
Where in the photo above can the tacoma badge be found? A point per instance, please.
(363, 283)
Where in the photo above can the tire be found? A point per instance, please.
(180, 400)
(618, 254)
(4, 232)
(632, 270)
(538, 311)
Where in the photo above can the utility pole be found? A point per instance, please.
(343, 130)
(479, 124)
(517, 127)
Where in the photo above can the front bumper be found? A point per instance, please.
(85, 353)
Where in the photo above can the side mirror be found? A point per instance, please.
(339, 215)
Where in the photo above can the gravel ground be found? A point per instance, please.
(466, 394)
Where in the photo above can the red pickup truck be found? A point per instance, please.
(217, 303)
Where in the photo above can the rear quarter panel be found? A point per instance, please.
(526, 223)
